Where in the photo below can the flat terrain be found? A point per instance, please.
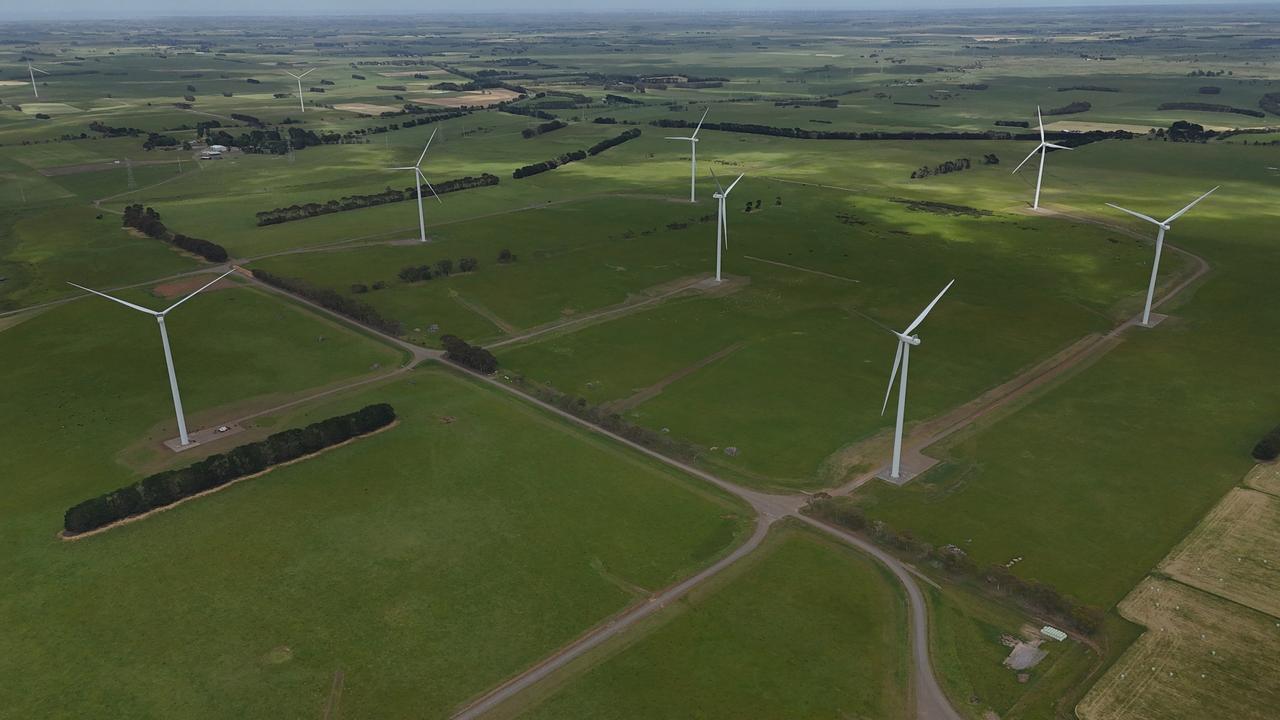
(805, 628)
(418, 562)
(1201, 656)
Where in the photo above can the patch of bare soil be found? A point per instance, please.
(178, 288)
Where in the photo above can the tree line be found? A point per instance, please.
(331, 300)
(458, 351)
(355, 202)
(147, 222)
(442, 268)
(1066, 138)
(576, 155)
(170, 486)
(273, 142)
(542, 129)
(1211, 107)
(998, 580)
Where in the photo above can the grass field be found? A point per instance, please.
(1233, 552)
(435, 571)
(432, 561)
(805, 628)
(1201, 656)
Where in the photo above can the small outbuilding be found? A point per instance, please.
(1053, 633)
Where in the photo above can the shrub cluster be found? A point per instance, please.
(170, 486)
(949, 166)
(996, 580)
(1071, 108)
(458, 351)
(442, 268)
(147, 221)
(1268, 448)
(355, 202)
(1074, 139)
(331, 300)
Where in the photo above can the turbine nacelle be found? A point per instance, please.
(908, 339)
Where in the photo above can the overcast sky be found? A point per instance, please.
(16, 10)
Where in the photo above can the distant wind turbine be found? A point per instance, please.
(722, 220)
(164, 340)
(1042, 148)
(32, 70)
(905, 341)
(1155, 266)
(418, 180)
(693, 157)
(301, 106)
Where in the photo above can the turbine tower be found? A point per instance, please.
(1042, 148)
(164, 340)
(301, 106)
(1155, 266)
(693, 157)
(32, 70)
(722, 219)
(418, 180)
(905, 341)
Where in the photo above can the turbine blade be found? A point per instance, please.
(704, 117)
(1040, 120)
(734, 183)
(42, 72)
(724, 225)
(126, 303)
(1135, 214)
(1024, 162)
(1057, 147)
(718, 185)
(897, 360)
(677, 138)
(916, 323)
(197, 292)
(423, 156)
(305, 73)
(424, 181)
(1180, 213)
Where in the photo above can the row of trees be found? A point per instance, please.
(1065, 138)
(442, 268)
(1211, 107)
(545, 165)
(1070, 108)
(273, 141)
(168, 487)
(542, 129)
(147, 221)
(457, 350)
(331, 300)
(355, 202)
(1039, 597)
(618, 139)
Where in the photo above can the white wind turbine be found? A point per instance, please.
(32, 70)
(1155, 266)
(1042, 148)
(905, 341)
(418, 180)
(164, 340)
(722, 219)
(693, 156)
(301, 106)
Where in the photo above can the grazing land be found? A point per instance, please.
(487, 533)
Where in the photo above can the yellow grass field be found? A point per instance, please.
(1202, 657)
(476, 97)
(1265, 478)
(1234, 552)
(365, 108)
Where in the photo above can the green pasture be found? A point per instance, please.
(1095, 480)
(805, 627)
(421, 563)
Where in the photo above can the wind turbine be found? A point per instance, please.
(1155, 266)
(418, 180)
(32, 70)
(1042, 148)
(302, 106)
(905, 341)
(164, 340)
(693, 156)
(722, 220)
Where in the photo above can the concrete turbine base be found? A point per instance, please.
(1156, 319)
(913, 465)
(204, 435)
